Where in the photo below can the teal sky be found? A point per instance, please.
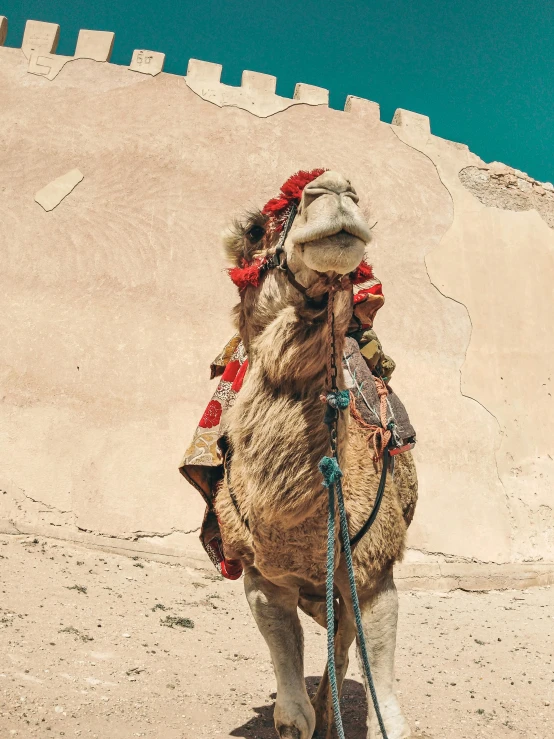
(482, 70)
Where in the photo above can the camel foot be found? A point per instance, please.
(294, 721)
(290, 732)
(325, 727)
(397, 728)
(327, 731)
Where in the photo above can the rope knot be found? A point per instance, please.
(329, 468)
(337, 399)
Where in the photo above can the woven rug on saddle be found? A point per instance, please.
(367, 371)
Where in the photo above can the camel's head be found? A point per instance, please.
(328, 233)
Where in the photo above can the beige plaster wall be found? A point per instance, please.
(113, 303)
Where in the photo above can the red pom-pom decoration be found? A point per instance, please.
(247, 275)
(362, 273)
(291, 192)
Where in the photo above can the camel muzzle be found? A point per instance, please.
(328, 216)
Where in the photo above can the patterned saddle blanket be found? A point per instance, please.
(361, 384)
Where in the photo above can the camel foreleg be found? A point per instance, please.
(379, 620)
(275, 611)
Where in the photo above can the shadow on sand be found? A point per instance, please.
(353, 705)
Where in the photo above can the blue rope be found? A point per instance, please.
(329, 598)
(330, 469)
(338, 399)
(356, 604)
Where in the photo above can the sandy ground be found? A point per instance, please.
(89, 647)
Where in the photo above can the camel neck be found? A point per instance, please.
(289, 355)
(276, 427)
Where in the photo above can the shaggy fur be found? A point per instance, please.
(277, 436)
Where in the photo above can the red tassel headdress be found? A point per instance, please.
(277, 209)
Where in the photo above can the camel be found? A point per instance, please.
(271, 505)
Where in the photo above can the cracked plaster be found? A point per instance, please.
(256, 93)
(499, 186)
(500, 265)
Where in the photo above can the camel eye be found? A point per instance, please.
(255, 234)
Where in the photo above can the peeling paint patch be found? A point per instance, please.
(509, 189)
(53, 194)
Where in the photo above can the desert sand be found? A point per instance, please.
(101, 645)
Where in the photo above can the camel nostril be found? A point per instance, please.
(312, 193)
(315, 191)
(352, 195)
(329, 182)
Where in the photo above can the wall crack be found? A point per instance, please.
(449, 297)
(50, 507)
(136, 535)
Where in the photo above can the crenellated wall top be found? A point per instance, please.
(256, 93)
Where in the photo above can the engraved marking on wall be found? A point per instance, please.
(47, 65)
(40, 36)
(147, 62)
